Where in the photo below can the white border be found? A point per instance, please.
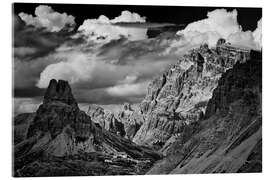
(6, 79)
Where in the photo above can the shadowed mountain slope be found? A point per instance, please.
(61, 132)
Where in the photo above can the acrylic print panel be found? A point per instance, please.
(132, 90)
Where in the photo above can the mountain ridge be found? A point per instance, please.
(192, 114)
(182, 92)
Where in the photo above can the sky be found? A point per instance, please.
(110, 53)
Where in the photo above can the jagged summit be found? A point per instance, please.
(179, 96)
(128, 107)
(229, 138)
(59, 91)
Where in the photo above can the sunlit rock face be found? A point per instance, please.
(179, 96)
(106, 120)
(229, 138)
(125, 122)
(132, 119)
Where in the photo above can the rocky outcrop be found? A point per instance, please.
(114, 125)
(124, 122)
(179, 96)
(106, 120)
(59, 92)
(97, 115)
(132, 120)
(60, 129)
(229, 139)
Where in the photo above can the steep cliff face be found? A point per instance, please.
(132, 119)
(60, 130)
(179, 96)
(106, 120)
(229, 139)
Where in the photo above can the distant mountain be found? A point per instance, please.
(124, 122)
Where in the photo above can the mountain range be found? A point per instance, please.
(202, 115)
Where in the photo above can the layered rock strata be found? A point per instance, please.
(229, 138)
(179, 96)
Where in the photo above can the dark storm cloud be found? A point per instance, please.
(155, 29)
(124, 52)
(28, 92)
(40, 41)
(33, 50)
(100, 96)
(143, 25)
(26, 73)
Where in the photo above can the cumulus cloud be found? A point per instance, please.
(73, 68)
(219, 23)
(245, 39)
(129, 79)
(47, 18)
(257, 34)
(127, 16)
(128, 86)
(24, 51)
(25, 105)
(103, 29)
(128, 89)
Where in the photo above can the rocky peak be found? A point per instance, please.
(127, 106)
(182, 91)
(59, 109)
(220, 42)
(229, 139)
(59, 91)
(60, 129)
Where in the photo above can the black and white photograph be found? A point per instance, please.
(107, 89)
